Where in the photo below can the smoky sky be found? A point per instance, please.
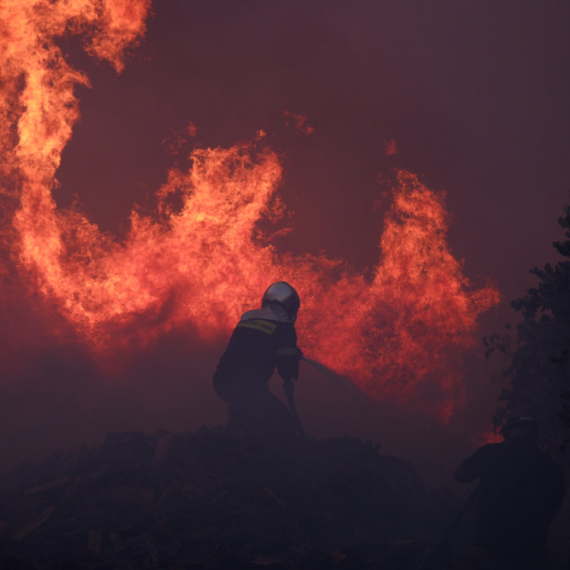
(474, 94)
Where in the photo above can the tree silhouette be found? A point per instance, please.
(539, 373)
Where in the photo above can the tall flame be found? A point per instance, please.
(399, 333)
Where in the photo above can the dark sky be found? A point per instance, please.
(474, 94)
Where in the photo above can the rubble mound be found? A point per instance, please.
(212, 500)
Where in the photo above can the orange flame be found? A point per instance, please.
(399, 334)
(298, 123)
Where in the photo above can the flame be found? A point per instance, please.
(390, 147)
(398, 333)
(298, 123)
(486, 436)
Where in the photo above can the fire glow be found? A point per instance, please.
(396, 332)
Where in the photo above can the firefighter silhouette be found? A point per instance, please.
(521, 489)
(264, 340)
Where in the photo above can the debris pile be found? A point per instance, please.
(212, 500)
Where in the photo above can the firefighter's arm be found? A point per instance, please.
(288, 362)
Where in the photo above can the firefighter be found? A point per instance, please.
(520, 491)
(263, 340)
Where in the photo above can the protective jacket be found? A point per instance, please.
(263, 340)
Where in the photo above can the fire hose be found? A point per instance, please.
(352, 390)
(341, 381)
(288, 388)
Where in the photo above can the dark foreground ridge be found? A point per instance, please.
(213, 500)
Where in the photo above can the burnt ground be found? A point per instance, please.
(214, 500)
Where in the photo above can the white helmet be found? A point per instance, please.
(282, 294)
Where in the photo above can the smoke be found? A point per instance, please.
(111, 332)
(57, 396)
